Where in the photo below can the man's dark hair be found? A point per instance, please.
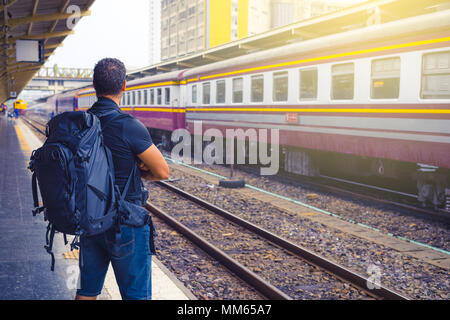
(109, 76)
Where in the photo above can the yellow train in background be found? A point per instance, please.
(20, 104)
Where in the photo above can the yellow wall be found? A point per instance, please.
(242, 19)
(220, 21)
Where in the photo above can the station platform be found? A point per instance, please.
(24, 264)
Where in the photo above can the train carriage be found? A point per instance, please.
(21, 106)
(369, 101)
(154, 100)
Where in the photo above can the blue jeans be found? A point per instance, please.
(130, 258)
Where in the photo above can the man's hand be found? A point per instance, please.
(143, 167)
(146, 173)
(153, 166)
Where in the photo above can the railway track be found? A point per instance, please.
(400, 200)
(405, 202)
(38, 126)
(287, 248)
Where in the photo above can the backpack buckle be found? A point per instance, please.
(75, 245)
(37, 210)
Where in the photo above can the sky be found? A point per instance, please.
(115, 28)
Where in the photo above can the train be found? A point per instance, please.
(371, 103)
(20, 105)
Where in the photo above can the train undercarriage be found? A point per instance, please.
(431, 185)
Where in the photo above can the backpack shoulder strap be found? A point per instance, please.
(125, 190)
(117, 114)
(37, 209)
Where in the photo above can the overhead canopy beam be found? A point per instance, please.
(20, 70)
(211, 57)
(10, 2)
(30, 27)
(12, 51)
(163, 68)
(44, 35)
(303, 33)
(148, 72)
(62, 10)
(45, 17)
(185, 64)
(247, 47)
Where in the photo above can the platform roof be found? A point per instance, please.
(36, 20)
(352, 17)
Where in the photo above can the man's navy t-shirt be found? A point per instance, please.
(126, 137)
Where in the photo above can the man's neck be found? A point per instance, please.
(116, 99)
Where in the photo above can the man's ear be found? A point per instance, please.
(124, 85)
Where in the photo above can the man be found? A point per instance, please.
(132, 148)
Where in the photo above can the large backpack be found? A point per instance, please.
(75, 173)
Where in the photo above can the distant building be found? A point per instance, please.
(189, 26)
(155, 31)
(285, 12)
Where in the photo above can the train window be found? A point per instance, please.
(385, 78)
(139, 97)
(436, 76)
(257, 88)
(133, 97)
(238, 90)
(280, 86)
(308, 84)
(145, 97)
(206, 92)
(220, 91)
(159, 96)
(128, 98)
(152, 96)
(194, 93)
(167, 96)
(343, 81)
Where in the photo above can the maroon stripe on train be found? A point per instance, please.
(432, 153)
(357, 114)
(168, 121)
(445, 116)
(333, 127)
(350, 105)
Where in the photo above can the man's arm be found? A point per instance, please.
(155, 163)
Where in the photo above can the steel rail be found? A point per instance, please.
(357, 280)
(262, 286)
(32, 123)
